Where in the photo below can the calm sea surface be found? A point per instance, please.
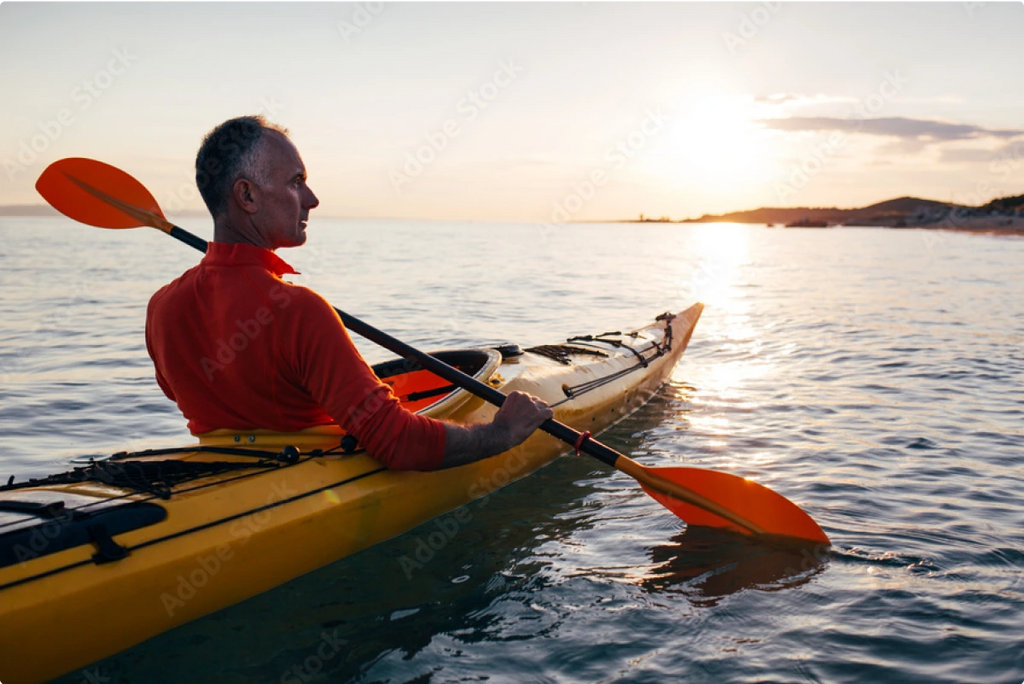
(875, 377)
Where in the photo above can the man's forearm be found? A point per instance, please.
(467, 443)
(514, 422)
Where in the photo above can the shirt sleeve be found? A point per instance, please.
(335, 374)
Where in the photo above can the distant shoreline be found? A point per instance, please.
(1004, 215)
(999, 225)
(1011, 226)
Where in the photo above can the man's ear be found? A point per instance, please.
(245, 194)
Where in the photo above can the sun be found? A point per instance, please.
(717, 138)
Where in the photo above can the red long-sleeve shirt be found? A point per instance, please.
(237, 347)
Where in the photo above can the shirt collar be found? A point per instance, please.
(241, 254)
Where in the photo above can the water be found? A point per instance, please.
(873, 376)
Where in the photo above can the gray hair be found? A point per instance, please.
(235, 149)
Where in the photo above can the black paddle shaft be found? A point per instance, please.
(453, 375)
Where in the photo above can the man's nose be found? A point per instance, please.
(311, 200)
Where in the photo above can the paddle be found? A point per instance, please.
(101, 195)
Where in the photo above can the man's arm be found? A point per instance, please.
(331, 369)
(515, 421)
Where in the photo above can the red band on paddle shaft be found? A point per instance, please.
(584, 436)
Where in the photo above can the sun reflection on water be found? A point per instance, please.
(721, 249)
(720, 278)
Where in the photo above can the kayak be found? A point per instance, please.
(121, 549)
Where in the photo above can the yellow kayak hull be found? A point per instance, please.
(228, 537)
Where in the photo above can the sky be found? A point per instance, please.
(544, 112)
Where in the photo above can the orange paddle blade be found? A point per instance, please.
(772, 512)
(92, 192)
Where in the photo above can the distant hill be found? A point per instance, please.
(28, 210)
(1005, 204)
(901, 205)
(897, 213)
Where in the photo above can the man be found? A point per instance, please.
(237, 347)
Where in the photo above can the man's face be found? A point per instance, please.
(285, 201)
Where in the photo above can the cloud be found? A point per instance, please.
(776, 99)
(937, 99)
(924, 130)
(791, 101)
(1013, 150)
(799, 99)
(966, 154)
(900, 146)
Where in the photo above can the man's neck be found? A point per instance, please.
(228, 232)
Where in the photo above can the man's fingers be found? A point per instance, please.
(540, 408)
(545, 411)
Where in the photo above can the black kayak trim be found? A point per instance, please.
(180, 490)
(40, 524)
(197, 528)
